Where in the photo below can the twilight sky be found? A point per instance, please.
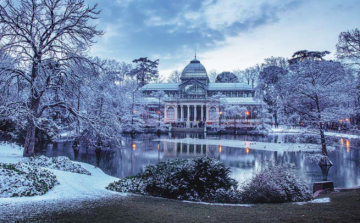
(227, 34)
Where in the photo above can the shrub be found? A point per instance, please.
(58, 163)
(185, 179)
(274, 185)
(206, 179)
(18, 180)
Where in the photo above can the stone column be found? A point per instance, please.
(176, 111)
(188, 113)
(207, 113)
(182, 112)
(195, 113)
(202, 112)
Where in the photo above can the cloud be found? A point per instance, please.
(172, 30)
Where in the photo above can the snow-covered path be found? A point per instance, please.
(267, 146)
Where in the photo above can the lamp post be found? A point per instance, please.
(220, 113)
(247, 113)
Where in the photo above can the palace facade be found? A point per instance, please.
(195, 100)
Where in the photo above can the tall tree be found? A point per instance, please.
(226, 77)
(317, 91)
(37, 32)
(145, 71)
(269, 87)
(348, 46)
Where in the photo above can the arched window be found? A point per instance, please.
(193, 90)
(213, 113)
(171, 112)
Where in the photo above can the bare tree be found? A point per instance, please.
(212, 75)
(174, 77)
(47, 37)
(348, 46)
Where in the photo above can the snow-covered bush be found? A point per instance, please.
(18, 180)
(276, 184)
(196, 179)
(206, 179)
(58, 163)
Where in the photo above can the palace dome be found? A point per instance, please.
(194, 70)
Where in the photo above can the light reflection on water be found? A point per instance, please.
(139, 151)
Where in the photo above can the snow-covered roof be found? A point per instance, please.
(162, 86)
(228, 86)
(211, 87)
(245, 101)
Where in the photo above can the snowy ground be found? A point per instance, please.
(268, 146)
(312, 132)
(73, 187)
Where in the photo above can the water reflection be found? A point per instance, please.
(140, 150)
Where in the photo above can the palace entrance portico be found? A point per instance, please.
(190, 113)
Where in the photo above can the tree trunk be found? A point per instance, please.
(30, 139)
(323, 143)
(275, 119)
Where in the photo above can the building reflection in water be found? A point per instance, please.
(135, 153)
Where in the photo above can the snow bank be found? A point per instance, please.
(267, 146)
(315, 201)
(58, 163)
(73, 186)
(313, 132)
(19, 180)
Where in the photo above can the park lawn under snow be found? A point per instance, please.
(267, 146)
(72, 185)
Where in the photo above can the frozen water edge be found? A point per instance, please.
(73, 186)
(267, 146)
(311, 132)
(315, 201)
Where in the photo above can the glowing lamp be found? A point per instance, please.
(341, 120)
(220, 113)
(346, 119)
(247, 113)
(158, 146)
(134, 111)
(220, 149)
(247, 150)
(134, 146)
(159, 112)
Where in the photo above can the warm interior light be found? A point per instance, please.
(220, 149)
(347, 145)
(220, 113)
(247, 113)
(158, 146)
(347, 119)
(134, 111)
(342, 141)
(133, 146)
(159, 112)
(247, 150)
(341, 120)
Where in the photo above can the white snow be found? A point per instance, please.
(312, 132)
(219, 204)
(72, 185)
(315, 201)
(250, 144)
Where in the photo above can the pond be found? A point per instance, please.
(140, 150)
